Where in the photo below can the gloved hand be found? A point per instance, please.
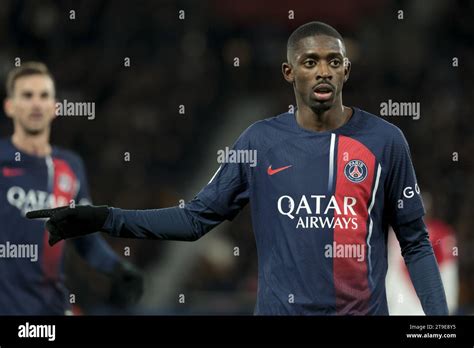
(66, 222)
(127, 285)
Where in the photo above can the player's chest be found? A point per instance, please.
(332, 165)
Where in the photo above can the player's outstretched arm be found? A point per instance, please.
(186, 224)
(221, 199)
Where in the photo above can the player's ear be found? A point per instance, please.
(287, 71)
(8, 107)
(347, 69)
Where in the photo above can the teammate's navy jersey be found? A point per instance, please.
(321, 204)
(31, 274)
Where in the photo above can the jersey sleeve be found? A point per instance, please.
(228, 190)
(404, 203)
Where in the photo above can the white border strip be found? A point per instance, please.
(331, 161)
(371, 223)
(218, 169)
(50, 166)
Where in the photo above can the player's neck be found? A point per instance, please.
(34, 145)
(326, 120)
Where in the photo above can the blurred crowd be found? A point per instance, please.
(175, 62)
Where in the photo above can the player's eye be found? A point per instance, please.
(309, 63)
(27, 95)
(335, 63)
(44, 95)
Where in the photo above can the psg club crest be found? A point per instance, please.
(355, 171)
(65, 183)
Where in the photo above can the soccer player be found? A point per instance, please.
(328, 182)
(36, 175)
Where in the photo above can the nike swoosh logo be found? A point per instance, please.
(12, 171)
(271, 171)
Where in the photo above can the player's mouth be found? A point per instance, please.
(36, 115)
(323, 91)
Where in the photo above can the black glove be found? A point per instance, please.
(66, 222)
(127, 285)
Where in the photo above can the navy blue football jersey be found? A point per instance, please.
(31, 271)
(321, 204)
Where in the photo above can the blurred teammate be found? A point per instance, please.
(36, 175)
(328, 182)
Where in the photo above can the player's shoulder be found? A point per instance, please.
(5, 143)
(275, 121)
(382, 128)
(265, 132)
(7, 150)
(270, 124)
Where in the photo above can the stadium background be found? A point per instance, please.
(190, 62)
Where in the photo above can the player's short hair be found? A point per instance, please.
(26, 69)
(310, 29)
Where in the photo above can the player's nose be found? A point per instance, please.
(323, 71)
(36, 102)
